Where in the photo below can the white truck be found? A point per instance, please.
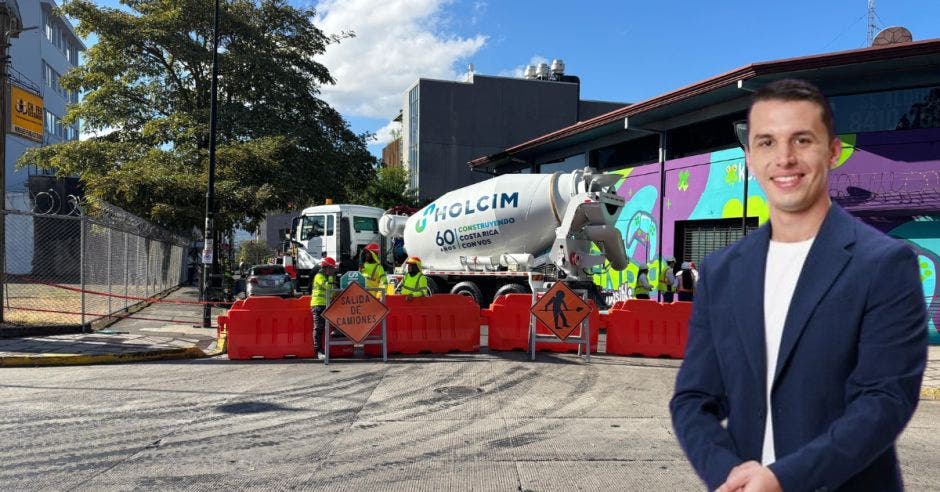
(513, 233)
(339, 231)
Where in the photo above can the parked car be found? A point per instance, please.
(269, 280)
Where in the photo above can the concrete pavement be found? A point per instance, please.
(487, 421)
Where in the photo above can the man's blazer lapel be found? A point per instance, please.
(747, 276)
(827, 258)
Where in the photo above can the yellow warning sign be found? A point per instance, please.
(561, 310)
(26, 114)
(355, 312)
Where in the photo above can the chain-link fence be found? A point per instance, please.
(73, 269)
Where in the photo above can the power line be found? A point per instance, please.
(843, 32)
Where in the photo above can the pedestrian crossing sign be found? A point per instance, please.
(561, 310)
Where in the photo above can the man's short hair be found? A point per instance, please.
(796, 90)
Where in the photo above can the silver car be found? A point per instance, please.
(269, 280)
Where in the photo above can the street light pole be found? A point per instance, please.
(208, 262)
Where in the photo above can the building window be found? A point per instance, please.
(413, 134)
(636, 152)
(887, 110)
(59, 36)
(704, 136)
(47, 25)
(697, 238)
(568, 164)
(50, 123)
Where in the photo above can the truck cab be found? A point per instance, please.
(340, 231)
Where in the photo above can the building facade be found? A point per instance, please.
(447, 123)
(683, 172)
(38, 58)
(45, 50)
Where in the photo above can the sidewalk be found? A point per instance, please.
(162, 330)
(931, 386)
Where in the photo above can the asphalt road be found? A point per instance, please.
(460, 422)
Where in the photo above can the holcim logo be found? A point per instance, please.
(422, 223)
(467, 207)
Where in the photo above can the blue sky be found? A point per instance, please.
(627, 50)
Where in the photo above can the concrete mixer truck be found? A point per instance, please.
(514, 233)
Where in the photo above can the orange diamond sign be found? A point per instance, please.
(355, 312)
(561, 310)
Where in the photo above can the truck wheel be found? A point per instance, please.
(511, 289)
(470, 290)
(432, 285)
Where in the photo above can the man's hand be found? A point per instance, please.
(750, 476)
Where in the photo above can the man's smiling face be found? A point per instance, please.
(790, 153)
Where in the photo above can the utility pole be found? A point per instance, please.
(208, 256)
(11, 24)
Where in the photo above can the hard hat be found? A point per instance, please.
(685, 265)
(373, 247)
(328, 262)
(670, 259)
(413, 260)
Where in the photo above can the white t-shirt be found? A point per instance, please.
(784, 264)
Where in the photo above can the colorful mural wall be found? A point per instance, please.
(889, 179)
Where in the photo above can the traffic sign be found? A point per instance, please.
(561, 310)
(351, 276)
(355, 312)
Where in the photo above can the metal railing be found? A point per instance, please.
(66, 267)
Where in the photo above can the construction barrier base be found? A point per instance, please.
(648, 328)
(437, 324)
(507, 321)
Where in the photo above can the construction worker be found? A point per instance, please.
(372, 268)
(414, 283)
(685, 283)
(667, 280)
(324, 279)
(642, 289)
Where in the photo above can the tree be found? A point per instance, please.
(388, 187)
(146, 85)
(253, 253)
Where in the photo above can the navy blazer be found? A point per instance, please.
(848, 374)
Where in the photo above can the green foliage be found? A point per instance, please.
(147, 92)
(386, 188)
(253, 253)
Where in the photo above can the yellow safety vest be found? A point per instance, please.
(663, 285)
(375, 275)
(414, 285)
(318, 296)
(640, 289)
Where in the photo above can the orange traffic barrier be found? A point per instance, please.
(640, 327)
(437, 324)
(270, 328)
(507, 321)
(221, 325)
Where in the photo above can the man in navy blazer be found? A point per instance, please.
(808, 338)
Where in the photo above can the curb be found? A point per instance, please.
(929, 393)
(78, 359)
(84, 360)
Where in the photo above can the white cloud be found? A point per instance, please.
(395, 44)
(385, 135)
(519, 70)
